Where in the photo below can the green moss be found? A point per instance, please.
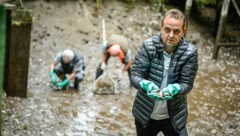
(21, 17)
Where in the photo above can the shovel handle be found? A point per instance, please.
(103, 30)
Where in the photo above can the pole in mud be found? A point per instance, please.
(222, 20)
(19, 23)
(188, 7)
(223, 16)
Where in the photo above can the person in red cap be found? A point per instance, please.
(116, 46)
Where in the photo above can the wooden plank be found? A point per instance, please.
(224, 12)
(217, 16)
(188, 6)
(18, 48)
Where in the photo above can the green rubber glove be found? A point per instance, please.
(171, 89)
(63, 83)
(148, 86)
(157, 95)
(53, 78)
(166, 93)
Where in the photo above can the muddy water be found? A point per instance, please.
(213, 103)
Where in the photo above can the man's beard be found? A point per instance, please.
(169, 48)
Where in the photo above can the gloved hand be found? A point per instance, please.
(148, 86)
(159, 95)
(172, 89)
(63, 83)
(166, 93)
(53, 78)
(104, 44)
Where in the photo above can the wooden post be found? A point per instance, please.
(223, 16)
(217, 17)
(17, 52)
(188, 7)
(2, 55)
(236, 7)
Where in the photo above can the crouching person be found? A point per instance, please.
(69, 63)
(116, 46)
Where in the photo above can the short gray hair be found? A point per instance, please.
(67, 56)
(177, 14)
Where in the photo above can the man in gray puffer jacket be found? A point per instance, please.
(163, 72)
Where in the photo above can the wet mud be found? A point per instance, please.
(214, 104)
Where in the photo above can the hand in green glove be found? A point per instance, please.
(53, 78)
(159, 95)
(171, 89)
(148, 86)
(166, 93)
(63, 83)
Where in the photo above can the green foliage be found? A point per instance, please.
(97, 4)
(202, 3)
(152, 2)
(157, 4)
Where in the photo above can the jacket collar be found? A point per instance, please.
(182, 46)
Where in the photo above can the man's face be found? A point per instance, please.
(172, 31)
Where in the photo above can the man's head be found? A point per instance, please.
(67, 56)
(173, 28)
(114, 50)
